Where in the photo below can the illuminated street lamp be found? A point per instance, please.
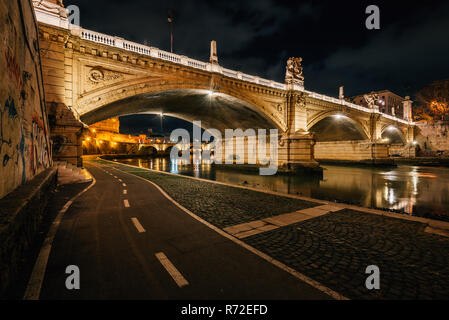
(391, 128)
(161, 115)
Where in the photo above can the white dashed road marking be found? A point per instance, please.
(125, 191)
(126, 203)
(138, 225)
(124, 184)
(171, 269)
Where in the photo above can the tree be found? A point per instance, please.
(432, 102)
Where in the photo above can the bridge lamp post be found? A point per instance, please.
(161, 115)
(171, 18)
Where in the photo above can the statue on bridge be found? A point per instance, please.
(293, 73)
(371, 100)
(51, 6)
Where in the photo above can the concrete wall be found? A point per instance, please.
(350, 150)
(433, 136)
(25, 148)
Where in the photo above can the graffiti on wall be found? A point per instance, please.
(25, 148)
(40, 150)
(12, 147)
(13, 68)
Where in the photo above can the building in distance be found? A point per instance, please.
(388, 103)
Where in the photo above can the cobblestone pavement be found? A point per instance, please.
(333, 249)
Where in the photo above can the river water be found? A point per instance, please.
(413, 190)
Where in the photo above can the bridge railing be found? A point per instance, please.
(172, 57)
(97, 37)
(206, 66)
(353, 106)
(395, 118)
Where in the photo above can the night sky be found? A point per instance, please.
(257, 37)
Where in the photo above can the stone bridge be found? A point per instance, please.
(90, 77)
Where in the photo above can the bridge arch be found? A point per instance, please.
(394, 134)
(350, 127)
(214, 109)
(147, 150)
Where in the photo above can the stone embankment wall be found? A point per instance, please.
(350, 150)
(27, 178)
(433, 136)
(25, 148)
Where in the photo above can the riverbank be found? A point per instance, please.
(380, 163)
(424, 161)
(331, 246)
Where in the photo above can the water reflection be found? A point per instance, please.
(421, 191)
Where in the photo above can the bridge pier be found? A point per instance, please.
(65, 129)
(296, 153)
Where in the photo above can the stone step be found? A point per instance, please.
(72, 174)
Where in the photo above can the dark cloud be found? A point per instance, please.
(403, 57)
(258, 36)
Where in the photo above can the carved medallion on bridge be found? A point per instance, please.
(99, 75)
